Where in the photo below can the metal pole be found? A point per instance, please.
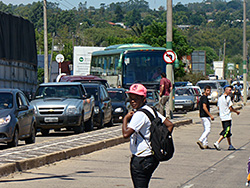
(169, 37)
(51, 56)
(244, 55)
(46, 59)
(224, 56)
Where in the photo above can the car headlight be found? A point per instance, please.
(188, 101)
(214, 94)
(35, 110)
(96, 109)
(119, 110)
(5, 120)
(72, 110)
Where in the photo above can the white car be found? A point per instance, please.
(242, 91)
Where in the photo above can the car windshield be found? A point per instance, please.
(92, 91)
(62, 91)
(179, 84)
(212, 85)
(223, 83)
(117, 96)
(6, 101)
(183, 91)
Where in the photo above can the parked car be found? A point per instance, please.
(223, 83)
(216, 89)
(153, 99)
(198, 94)
(212, 77)
(185, 99)
(119, 100)
(242, 91)
(17, 120)
(63, 105)
(103, 105)
(182, 84)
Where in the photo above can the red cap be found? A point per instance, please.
(138, 89)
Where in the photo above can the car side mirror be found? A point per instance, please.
(23, 107)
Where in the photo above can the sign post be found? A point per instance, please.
(60, 59)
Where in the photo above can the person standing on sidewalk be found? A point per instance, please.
(206, 118)
(165, 89)
(225, 106)
(143, 162)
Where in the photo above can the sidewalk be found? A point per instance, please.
(190, 167)
(35, 155)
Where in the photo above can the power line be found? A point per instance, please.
(62, 4)
(69, 3)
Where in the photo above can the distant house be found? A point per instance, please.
(183, 27)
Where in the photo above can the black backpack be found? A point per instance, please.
(161, 140)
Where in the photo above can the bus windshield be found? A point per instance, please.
(143, 67)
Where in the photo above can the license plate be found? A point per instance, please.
(178, 106)
(51, 119)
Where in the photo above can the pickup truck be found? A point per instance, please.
(63, 105)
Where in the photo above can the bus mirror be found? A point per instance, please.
(119, 66)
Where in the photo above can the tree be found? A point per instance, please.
(118, 14)
(132, 17)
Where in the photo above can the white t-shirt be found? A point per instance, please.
(224, 103)
(141, 122)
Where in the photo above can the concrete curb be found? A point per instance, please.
(38, 161)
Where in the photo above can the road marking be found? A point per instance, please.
(188, 186)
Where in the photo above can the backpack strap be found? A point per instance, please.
(150, 116)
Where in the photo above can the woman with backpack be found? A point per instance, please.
(143, 162)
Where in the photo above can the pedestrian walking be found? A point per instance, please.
(165, 90)
(225, 106)
(248, 173)
(143, 162)
(206, 118)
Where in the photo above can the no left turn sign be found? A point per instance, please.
(169, 56)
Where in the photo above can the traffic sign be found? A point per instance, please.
(169, 56)
(59, 58)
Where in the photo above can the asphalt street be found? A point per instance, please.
(190, 166)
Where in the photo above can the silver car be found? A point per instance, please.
(216, 89)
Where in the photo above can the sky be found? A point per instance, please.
(69, 4)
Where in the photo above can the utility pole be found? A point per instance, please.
(224, 56)
(244, 55)
(46, 59)
(51, 55)
(169, 37)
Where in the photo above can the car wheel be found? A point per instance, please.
(45, 132)
(79, 129)
(32, 138)
(14, 141)
(90, 123)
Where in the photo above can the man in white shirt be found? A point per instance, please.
(143, 162)
(225, 106)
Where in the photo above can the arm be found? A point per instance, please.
(161, 90)
(206, 110)
(127, 132)
(169, 125)
(233, 110)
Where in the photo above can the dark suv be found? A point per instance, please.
(103, 106)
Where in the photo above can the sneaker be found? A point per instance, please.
(247, 183)
(200, 144)
(217, 146)
(207, 147)
(231, 148)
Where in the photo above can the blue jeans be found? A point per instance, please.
(141, 169)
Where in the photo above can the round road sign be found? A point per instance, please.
(81, 59)
(59, 58)
(169, 56)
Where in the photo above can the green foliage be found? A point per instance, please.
(192, 77)
(40, 75)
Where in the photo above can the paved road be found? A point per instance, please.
(190, 167)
